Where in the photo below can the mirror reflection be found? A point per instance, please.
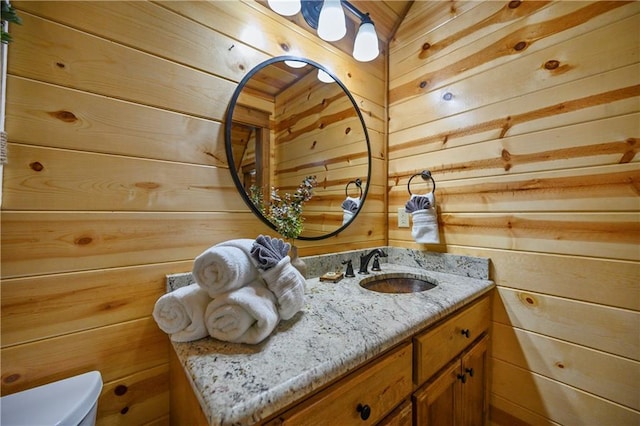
(285, 124)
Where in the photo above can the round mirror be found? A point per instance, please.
(291, 118)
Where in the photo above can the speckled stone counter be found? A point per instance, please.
(341, 327)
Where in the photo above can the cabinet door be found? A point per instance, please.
(437, 403)
(474, 395)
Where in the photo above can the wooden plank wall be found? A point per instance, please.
(117, 176)
(528, 115)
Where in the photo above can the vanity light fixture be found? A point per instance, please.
(332, 24)
(295, 64)
(325, 77)
(285, 7)
(327, 17)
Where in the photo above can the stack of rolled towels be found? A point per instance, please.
(242, 289)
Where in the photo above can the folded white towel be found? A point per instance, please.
(225, 267)
(181, 313)
(425, 224)
(349, 208)
(288, 285)
(245, 315)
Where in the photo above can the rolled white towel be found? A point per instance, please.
(288, 285)
(225, 267)
(425, 224)
(244, 315)
(181, 313)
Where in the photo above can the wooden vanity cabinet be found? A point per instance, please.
(420, 382)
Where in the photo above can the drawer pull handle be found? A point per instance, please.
(470, 371)
(462, 378)
(364, 410)
(465, 332)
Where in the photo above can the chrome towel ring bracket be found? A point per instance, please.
(426, 175)
(357, 183)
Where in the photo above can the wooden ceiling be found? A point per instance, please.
(386, 15)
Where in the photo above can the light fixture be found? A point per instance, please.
(285, 7)
(328, 18)
(295, 64)
(332, 24)
(324, 77)
(365, 48)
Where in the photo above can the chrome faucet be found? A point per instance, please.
(364, 259)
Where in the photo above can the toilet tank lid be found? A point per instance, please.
(65, 402)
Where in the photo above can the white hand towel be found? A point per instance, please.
(245, 315)
(181, 313)
(346, 216)
(225, 267)
(349, 208)
(425, 224)
(288, 285)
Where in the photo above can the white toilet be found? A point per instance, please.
(72, 401)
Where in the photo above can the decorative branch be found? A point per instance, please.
(285, 211)
(8, 14)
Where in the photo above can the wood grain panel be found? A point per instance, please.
(68, 303)
(602, 281)
(53, 179)
(607, 235)
(584, 59)
(585, 324)
(41, 243)
(467, 28)
(505, 413)
(556, 401)
(99, 66)
(153, 29)
(136, 399)
(610, 141)
(538, 45)
(594, 98)
(44, 114)
(103, 96)
(606, 188)
(116, 351)
(426, 17)
(610, 377)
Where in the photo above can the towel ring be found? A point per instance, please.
(357, 183)
(425, 174)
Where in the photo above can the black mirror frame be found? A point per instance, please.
(229, 151)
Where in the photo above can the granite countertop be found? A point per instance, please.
(341, 327)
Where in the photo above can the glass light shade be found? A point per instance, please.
(365, 48)
(325, 77)
(295, 64)
(331, 24)
(285, 7)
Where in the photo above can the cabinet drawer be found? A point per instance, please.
(439, 345)
(381, 386)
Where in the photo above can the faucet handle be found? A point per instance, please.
(349, 272)
(376, 264)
